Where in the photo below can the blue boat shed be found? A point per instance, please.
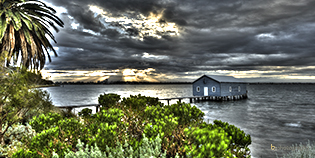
(220, 87)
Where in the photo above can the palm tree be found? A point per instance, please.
(24, 25)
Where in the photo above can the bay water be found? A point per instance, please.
(276, 116)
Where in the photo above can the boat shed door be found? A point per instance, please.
(205, 91)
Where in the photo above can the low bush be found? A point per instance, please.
(148, 149)
(180, 128)
(15, 138)
(19, 100)
(44, 122)
(56, 133)
(301, 151)
(108, 100)
(239, 143)
(139, 102)
(186, 113)
(205, 143)
(85, 113)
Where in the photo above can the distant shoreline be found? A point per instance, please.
(42, 86)
(157, 83)
(111, 83)
(280, 83)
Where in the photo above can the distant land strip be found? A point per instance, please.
(119, 82)
(123, 82)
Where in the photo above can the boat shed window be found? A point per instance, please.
(239, 88)
(213, 89)
(230, 89)
(198, 89)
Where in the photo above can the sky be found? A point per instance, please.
(181, 40)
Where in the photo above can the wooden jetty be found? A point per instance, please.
(71, 107)
(207, 98)
(191, 100)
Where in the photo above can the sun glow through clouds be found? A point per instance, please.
(99, 75)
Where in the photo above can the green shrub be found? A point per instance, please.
(170, 122)
(47, 141)
(19, 100)
(111, 116)
(160, 121)
(206, 143)
(139, 102)
(22, 153)
(56, 133)
(44, 122)
(180, 127)
(86, 113)
(108, 100)
(186, 113)
(239, 140)
(106, 126)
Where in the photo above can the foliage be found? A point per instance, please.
(44, 122)
(301, 151)
(135, 126)
(107, 128)
(203, 143)
(34, 77)
(67, 114)
(108, 100)
(22, 153)
(180, 127)
(170, 122)
(23, 28)
(86, 112)
(147, 149)
(160, 122)
(19, 101)
(56, 132)
(186, 113)
(139, 102)
(15, 137)
(239, 140)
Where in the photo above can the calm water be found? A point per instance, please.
(281, 115)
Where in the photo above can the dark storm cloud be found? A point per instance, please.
(235, 35)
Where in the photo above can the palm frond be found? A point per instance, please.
(3, 27)
(23, 28)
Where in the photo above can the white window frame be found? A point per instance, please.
(230, 88)
(198, 88)
(239, 88)
(214, 89)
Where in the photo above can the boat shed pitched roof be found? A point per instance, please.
(222, 79)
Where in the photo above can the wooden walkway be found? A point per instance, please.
(71, 107)
(207, 98)
(191, 99)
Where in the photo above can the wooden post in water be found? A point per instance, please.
(69, 109)
(97, 107)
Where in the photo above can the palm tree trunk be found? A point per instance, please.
(1, 134)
